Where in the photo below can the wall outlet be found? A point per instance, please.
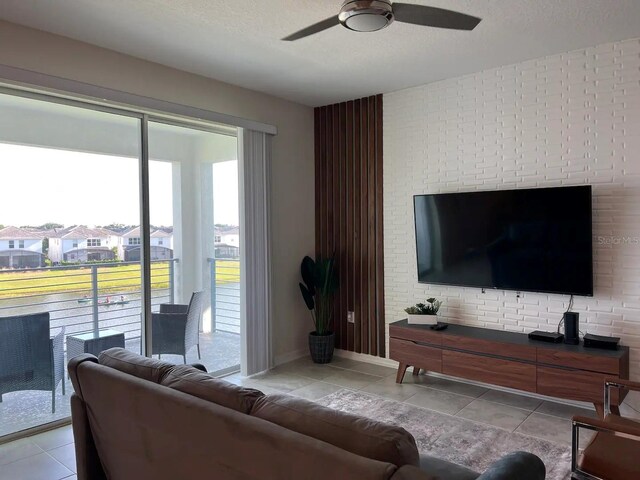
(351, 317)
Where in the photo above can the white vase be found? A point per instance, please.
(414, 319)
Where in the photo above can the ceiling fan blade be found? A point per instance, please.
(433, 17)
(315, 28)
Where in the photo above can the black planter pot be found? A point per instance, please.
(321, 347)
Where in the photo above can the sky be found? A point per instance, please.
(41, 185)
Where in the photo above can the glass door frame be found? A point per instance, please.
(65, 98)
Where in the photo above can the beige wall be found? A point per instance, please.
(293, 171)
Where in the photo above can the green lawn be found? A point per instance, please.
(116, 278)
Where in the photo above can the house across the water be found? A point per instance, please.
(21, 248)
(82, 244)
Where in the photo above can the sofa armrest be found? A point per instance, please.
(88, 465)
(627, 429)
(622, 383)
(619, 383)
(520, 465)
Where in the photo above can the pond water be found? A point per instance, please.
(76, 317)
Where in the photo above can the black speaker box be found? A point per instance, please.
(550, 337)
(571, 328)
(599, 341)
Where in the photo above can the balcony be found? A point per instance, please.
(97, 296)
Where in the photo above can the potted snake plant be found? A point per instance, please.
(319, 282)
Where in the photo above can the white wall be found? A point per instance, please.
(293, 167)
(567, 119)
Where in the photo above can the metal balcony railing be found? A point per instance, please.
(89, 297)
(86, 297)
(225, 295)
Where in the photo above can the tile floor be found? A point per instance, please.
(50, 455)
(510, 411)
(46, 456)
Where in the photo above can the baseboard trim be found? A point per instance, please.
(29, 432)
(363, 357)
(289, 357)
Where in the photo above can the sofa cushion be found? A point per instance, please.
(134, 364)
(190, 380)
(359, 435)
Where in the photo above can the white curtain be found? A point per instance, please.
(254, 155)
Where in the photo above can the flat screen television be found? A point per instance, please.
(534, 240)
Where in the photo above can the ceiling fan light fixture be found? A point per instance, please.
(366, 15)
(373, 15)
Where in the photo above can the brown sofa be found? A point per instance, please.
(139, 418)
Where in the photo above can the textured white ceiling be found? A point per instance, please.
(238, 41)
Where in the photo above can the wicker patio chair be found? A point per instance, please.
(29, 358)
(176, 328)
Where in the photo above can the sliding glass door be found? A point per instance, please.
(193, 189)
(70, 189)
(77, 183)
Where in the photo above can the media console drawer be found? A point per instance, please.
(423, 335)
(507, 373)
(410, 353)
(478, 345)
(574, 385)
(579, 361)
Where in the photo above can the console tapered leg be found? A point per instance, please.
(599, 409)
(402, 368)
(416, 370)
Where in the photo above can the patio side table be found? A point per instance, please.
(93, 343)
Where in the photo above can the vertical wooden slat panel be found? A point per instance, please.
(342, 231)
(318, 171)
(335, 230)
(379, 232)
(329, 166)
(357, 250)
(349, 221)
(349, 209)
(320, 188)
(364, 298)
(327, 180)
(371, 223)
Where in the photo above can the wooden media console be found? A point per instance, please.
(510, 360)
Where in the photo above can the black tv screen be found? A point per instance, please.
(536, 240)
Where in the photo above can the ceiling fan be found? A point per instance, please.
(372, 15)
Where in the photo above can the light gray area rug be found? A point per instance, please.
(454, 439)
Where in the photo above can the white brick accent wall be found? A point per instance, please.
(568, 119)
